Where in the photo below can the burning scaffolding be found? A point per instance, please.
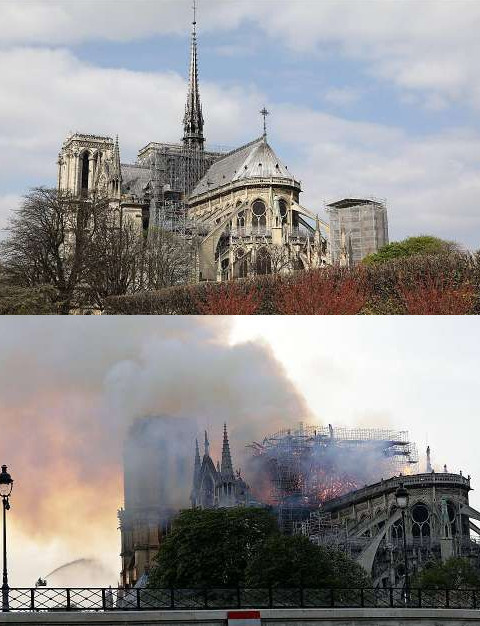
(311, 465)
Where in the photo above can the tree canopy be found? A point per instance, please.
(424, 244)
(455, 573)
(244, 547)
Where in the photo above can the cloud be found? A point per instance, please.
(430, 48)
(342, 96)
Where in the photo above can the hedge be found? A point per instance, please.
(436, 284)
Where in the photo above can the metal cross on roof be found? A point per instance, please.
(264, 112)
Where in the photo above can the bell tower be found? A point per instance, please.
(88, 163)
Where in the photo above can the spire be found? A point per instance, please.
(207, 445)
(429, 462)
(227, 469)
(193, 119)
(264, 114)
(197, 466)
(116, 157)
(116, 173)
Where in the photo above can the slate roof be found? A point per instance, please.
(254, 160)
(135, 179)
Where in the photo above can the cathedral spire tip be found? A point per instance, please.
(193, 119)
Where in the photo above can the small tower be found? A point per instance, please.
(193, 119)
(84, 163)
(226, 467)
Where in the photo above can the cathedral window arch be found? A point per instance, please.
(84, 170)
(282, 203)
(263, 262)
(259, 216)
(241, 263)
(421, 526)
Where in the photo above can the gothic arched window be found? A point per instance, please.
(85, 168)
(283, 209)
(263, 263)
(241, 264)
(420, 520)
(259, 216)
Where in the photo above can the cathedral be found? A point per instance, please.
(241, 208)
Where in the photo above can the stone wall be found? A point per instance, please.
(276, 617)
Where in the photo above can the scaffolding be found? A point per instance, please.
(311, 465)
(358, 224)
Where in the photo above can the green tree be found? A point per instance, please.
(241, 547)
(455, 573)
(424, 244)
(211, 548)
(283, 561)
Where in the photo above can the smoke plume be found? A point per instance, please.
(71, 388)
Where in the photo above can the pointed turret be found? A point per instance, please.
(207, 445)
(429, 462)
(116, 172)
(196, 471)
(193, 119)
(226, 468)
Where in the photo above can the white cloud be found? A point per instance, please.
(342, 96)
(430, 47)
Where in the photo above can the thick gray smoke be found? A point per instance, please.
(71, 388)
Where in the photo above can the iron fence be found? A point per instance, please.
(108, 599)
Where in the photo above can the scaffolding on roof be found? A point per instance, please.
(307, 466)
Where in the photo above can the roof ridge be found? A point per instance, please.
(250, 143)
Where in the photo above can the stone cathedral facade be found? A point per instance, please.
(242, 208)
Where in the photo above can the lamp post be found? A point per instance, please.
(6, 485)
(402, 497)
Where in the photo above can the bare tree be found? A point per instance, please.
(113, 265)
(279, 258)
(48, 242)
(168, 259)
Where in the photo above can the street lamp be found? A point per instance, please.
(6, 485)
(402, 497)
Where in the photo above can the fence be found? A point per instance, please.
(90, 599)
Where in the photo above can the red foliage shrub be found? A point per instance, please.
(232, 298)
(322, 292)
(437, 295)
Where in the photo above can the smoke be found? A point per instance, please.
(70, 390)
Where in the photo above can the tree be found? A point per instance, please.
(210, 548)
(113, 264)
(168, 259)
(241, 547)
(455, 573)
(283, 561)
(49, 238)
(424, 244)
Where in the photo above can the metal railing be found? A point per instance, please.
(95, 599)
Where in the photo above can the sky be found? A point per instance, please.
(367, 97)
(71, 387)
